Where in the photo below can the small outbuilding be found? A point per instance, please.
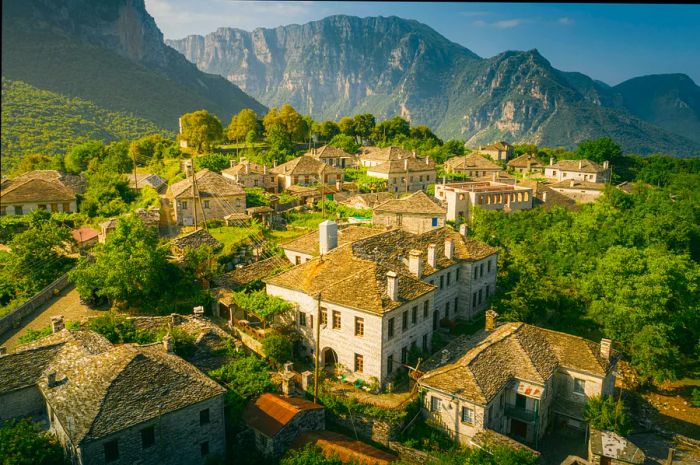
(609, 448)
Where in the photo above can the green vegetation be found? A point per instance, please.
(342, 406)
(23, 443)
(260, 304)
(423, 436)
(31, 335)
(201, 129)
(278, 348)
(310, 455)
(605, 413)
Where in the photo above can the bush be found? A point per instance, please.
(311, 454)
(22, 443)
(278, 348)
(607, 414)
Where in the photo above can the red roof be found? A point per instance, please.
(269, 413)
(347, 449)
(84, 234)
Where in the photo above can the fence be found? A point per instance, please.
(14, 318)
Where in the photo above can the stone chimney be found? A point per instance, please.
(392, 285)
(580, 164)
(307, 380)
(405, 164)
(444, 356)
(287, 384)
(432, 255)
(414, 154)
(494, 178)
(605, 345)
(179, 125)
(544, 196)
(449, 248)
(415, 263)
(463, 229)
(572, 183)
(606, 164)
(57, 323)
(551, 161)
(51, 379)
(247, 168)
(327, 236)
(491, 320)
(198, 311)
(232, 162)
(289, 367)
(168, 343)
(264, 169)
(427, 160)
(339, 185)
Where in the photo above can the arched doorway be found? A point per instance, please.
(330, 358)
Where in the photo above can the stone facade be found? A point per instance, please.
(578, 170)
(406, 175)
(460, 199)
(248, 174)
(26, 401)
(417, 223)
(216, 198)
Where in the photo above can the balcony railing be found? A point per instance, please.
(521, 413)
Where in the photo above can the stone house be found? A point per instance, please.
(374, 156)
(377, 297)
(138, 181)
(305, 170)
(193, 240)
(48, 190)
(461, 198)
(245, 173)
(515, 379)
(85, 236)
(304, 248)
(580, 191)
(609, 448)
(472, 165)
(498, 151)
(333, 156)
(578, 170)
(406, 175)
(213, 197)
(367, 200)
(416, 213)
(276, 421)
(115, 404)
(526, 164)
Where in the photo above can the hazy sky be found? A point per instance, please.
(609, 42)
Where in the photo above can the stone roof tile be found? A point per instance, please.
(418, 202)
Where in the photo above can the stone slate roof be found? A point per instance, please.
(522, 160)
(309, 243)
(580, 185)
(481, 365)
(239, 168)
(363, 264)
(258, 270)
(269, 413)
(326, 151)
(194, 240)
(305, 165)
(401, 166)
(473, 161)
(579, 166)
(34, 190)
(368, 200)
(209, 184)
(347, 449)
(610, 444)
(500, 145)
(418, 203)
(141, 180)
(385, 154)
(74, 183)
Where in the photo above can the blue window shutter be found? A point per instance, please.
(435, 221)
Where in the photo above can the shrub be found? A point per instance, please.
(22, 443)
(278, 348)
(607, 414)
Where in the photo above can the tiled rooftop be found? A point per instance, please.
(209, 184)
(269, 413)
(418, 202)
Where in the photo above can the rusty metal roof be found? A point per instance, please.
(269, 413)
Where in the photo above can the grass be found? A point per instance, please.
(306, 220)
(231, 236)
(280, 237)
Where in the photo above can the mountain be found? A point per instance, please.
(40, 121)
(671, 101)
(344, 65)
(112, 54)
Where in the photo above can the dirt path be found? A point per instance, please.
(67, 304)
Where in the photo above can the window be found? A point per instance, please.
(467, 415)
(474, 300)
(3, 211)
(359, 326)
(206, 204)
(391, 328)
(404, 321)
(359, 363)
(456, 301)
(579, 386)
(297, 260)
(442, 279)
(324, 316)
(18, 210)
(447, 309)
(302, 319)
(390, 364)
(476, 272)
(488, 266)
(480, 296)
(490, 412)
(425, 309)
(148, 437)
(414, 315)
(336, 319)
(404, 354)
(42, 206)
(434, 404)
(449, 275)
(54, 207)
(488, 291)
(66, 207)
(183, 205)
(425, 342)
(434, 222)
(481, 270)
(204, 417)
(204, 448)
(111, 450)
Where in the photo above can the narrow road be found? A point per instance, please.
(67, 304)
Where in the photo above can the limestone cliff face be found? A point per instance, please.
(344, 65)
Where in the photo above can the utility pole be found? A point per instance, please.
(133, 161)
(190, 166)
(318, 336)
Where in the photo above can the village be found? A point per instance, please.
(342, 300)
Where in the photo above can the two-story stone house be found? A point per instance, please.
(333, 156)
(416, 213)
(526, 164)
(115, 404)
(304, 248)
(515, 379)
(461, 198)
(472, 165)
(577, 170)
(498, 151)
(212, 197)
(305, 170)
(374, 156)
(406, 175)
(379, 297)
(245, 173)
(48, 190)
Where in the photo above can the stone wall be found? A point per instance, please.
(23, 402)
(309, 420)
(250, 342)
(15, 317)
(409, 454)
(368, 428)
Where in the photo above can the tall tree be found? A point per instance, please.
(78, 158)
(599, 150)
(364, 126)
(241, 124)
(23, 443)
(327, 130)
(201, 129)
(107, 194)
(347, 126)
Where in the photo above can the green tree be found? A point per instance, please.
(278, 348)
(364, 126)
(599, 150)
(605, 413)
(23, 443)
(309, 455)
(116, 157)
(281, 146)
(35, 161)
(453, 148)
(347, 126)
(201, 129)
(327, 130)
(78, 158)
(241, 124)
(344, 142)
(653, 355)
(214, 161)
(389, 130)
(295, 124)
(107, 194)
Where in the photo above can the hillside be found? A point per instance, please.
(344, 65)
(112, 54)
(39, 121)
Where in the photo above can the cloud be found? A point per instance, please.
(472, 13)
(501, 24)
(565, 21)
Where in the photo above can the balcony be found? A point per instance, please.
(521, 413)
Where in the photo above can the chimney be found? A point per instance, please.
(444, 356)
(572, 183)
(339, 185)
(392, 285)
(232, 162)
(494, 177)
(414, 154)
(179, 124)
(551, 161)
(264, 169)
(491, 320)
(287, 384)
(605, 345)
(544, 196)
(289, 367)
(415, 263)
(606, 165)
(51, 379)
(432, 255)
(463, 229)
(427, 160)
(580, 164)
(449, 248)
(198, 311)
(327, 236)
(57, 323)
(405, 164)
(247, 168)
(168, 343)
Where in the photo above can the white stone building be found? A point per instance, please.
(416, 213)
(374, 156)
(305, 170)
(406, 175)
(461, 198)
(211, 197)
(47, 190)
(578, 170)
(248, 174)
(333, 156)
(580, 191)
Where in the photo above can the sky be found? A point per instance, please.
(608, 42)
